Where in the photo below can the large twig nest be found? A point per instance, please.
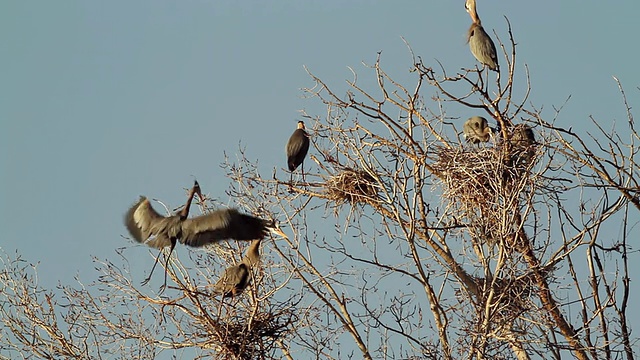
(240, 338)
(469, 174)
(352, 186)
(476, 176)
(484, 185)
(511, 296)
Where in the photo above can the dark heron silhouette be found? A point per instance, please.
(522, 141)
(522, 136)
(476, 129)
(480, 43)
(148, 227)
(297, 148)
(236, 278)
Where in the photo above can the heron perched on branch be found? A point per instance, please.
(236, 278)
(148, 227)
(480, 43)
(297, 148)
(476, 129)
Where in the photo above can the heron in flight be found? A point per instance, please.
(147, 226)
(481, 45)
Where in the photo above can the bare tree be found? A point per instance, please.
(436, 248)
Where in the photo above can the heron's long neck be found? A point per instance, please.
(253, 254)
(185, 211)
(471, 9)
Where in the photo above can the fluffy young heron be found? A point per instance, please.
(522, 136)
(476, 129)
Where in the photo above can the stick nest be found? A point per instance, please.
(485, 184)
(353, 186)
(477, 177)
(242, 338)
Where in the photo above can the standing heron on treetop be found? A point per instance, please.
(481, 45)
(297, 148)
(476, 129)
(147, 226)
(236, 278)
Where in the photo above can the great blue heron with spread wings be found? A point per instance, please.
(297, 148)
(236, 278)
(480, 43)
(476, 129)
(147, 226)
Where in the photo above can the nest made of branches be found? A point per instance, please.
(485, 183)
(476, 176)
(250, 338)
(512, 296)
(353, 186)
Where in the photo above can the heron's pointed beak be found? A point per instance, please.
(280, 232)
(202, 198)
(196, 189)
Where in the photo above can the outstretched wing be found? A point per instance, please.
(233, 281)
(220, 225)
(143, 222)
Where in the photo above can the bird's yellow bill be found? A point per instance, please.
(281, 233)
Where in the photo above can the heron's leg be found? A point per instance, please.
(145, 281)
(291, 182)
(485, 70)
(166, 264)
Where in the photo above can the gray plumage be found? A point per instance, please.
(233, 281)
(522, 145)
(149, 227)
(236, 278)
(522, 136)
(480, 43)
(297, 147)
(476, 129)
(224, 224)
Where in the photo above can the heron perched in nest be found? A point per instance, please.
(147, 226)
(476, 129)
(522, 143)
(236, 278)
(481, 45)
(522, 136)
(297, 148)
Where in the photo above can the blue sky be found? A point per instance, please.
(102, 101)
